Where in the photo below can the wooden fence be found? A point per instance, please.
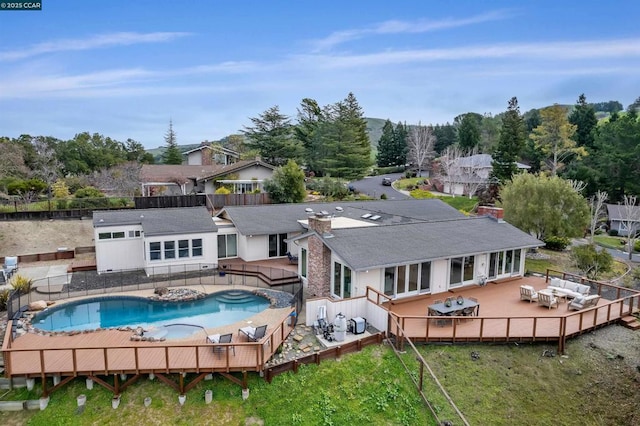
(330, 353)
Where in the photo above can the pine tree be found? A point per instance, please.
(171, 154)
(510, 144)
(584, 118)
(386, 155)
(272, 136)
(469, 130)
(400, 135)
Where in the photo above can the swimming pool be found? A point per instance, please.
(216, 310)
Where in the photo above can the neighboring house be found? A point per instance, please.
(468, 174)
(619, 218)
(242, 177)
(156, 240)
(402, 248)
(210, 153)
(170, 179)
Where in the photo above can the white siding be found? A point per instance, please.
(255, 172)
(209, 253)
(120, 253)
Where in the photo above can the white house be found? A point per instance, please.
(402, 248)
(156, 240)
(468, 174)
(210, 153)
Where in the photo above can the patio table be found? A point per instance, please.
(443, 309)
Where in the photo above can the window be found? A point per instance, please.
(196, 247)
(400, 284)
(505, 263)
(341, 280)
(183, 248)
(413, 277)
(425, 276)
(277, 245)
(337, 278)
(455, 272)
(169, 249)
(155, 252)
(134, 234)
(111, 235)
(389, 281)
(227, 246)
(303, 262)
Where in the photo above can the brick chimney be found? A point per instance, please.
(319, 258)
(206, 155)
(495, 212)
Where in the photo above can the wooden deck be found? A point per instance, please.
(504, 317)
(109, 352)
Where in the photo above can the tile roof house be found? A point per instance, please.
(242, 176)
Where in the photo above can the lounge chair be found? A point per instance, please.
(221, 338)
(547, 300)
(254, 333)
(528, 293)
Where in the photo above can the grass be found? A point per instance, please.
(561, 261)
(366, 387)
(609, 241)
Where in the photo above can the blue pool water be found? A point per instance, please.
(178, 319)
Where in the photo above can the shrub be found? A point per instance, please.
(410, 174)
(4, 297)
(61, 204)
(556, 243)
(223, 190)
(421, 194)
(21, 283)
(613, 232)
(636, 246)
(383, 196)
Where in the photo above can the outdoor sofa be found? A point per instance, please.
(584, 302)
(568, 288)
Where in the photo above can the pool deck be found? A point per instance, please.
(107, 352)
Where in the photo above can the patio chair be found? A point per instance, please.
(224, 338)
(547, 300)
(528, 293)
(254, 333)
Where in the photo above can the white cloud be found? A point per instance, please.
(95, 42)
(597, 49)
(405, 27)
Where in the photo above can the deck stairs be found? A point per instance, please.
(630, 322)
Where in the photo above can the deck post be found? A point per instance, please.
(421, 373)
(116, 385)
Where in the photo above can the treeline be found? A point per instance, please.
(568, 141)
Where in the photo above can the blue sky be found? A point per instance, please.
(124, 68)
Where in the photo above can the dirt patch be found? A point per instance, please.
(32, 237)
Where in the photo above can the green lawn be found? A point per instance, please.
(605, 240)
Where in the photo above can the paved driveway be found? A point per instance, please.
(372, 186)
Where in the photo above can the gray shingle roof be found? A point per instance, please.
(155, 222)
(282, 218)
(379, 247)
(618, 212)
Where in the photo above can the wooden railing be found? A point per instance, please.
(506, 329)
(109, 360)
